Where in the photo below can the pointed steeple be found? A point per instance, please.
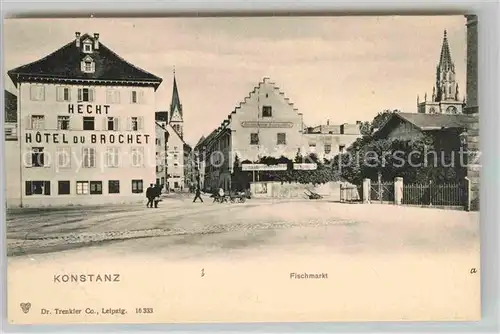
(176, 101)
(445, 61)
(176, 117)
(445, 74)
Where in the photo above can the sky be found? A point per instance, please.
(340, 69)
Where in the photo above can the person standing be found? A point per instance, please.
(198, 195)
(157, 193)
(150, 196)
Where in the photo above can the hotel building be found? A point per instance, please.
(266, 123)
(86, 127)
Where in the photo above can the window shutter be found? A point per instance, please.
(46, 187)
(105, 123)
(80, 95)
(47, 159)
(91, 95)
(27, 120)
(28, 190)
(82, 66)
(139, 123)
(109, 96)
(59, 93)
(69, 94)
(28, 158)
(141, 98)
(116, 124)
(129, 123)
(117, 97)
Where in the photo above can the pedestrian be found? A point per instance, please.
(157, 193)
(198, 195)
(150, 195)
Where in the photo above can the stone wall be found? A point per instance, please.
(330, 190)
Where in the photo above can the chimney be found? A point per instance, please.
(77, 38)
(327, 122)
(96, 41)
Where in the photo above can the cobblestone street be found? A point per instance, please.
(179, 222)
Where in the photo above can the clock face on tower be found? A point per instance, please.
(451, 110)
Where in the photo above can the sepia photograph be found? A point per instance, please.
(242, 169)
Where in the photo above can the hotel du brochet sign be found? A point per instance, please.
(102, 137)
(264, 167)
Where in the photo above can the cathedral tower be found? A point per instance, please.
(176, 119)
(445, 94)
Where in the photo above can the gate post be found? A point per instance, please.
(467, 194)
(398, 190)
(366, 190)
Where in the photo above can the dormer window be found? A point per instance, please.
(87, 46)
(88, 65)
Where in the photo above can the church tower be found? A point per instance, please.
(445, 94)
(446, 87)
(176, 119)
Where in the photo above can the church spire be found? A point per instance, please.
(445, 61)
(445, 74)
(176, 117)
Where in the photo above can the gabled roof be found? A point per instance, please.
(429, 122)
(65, 63)
(10, 107)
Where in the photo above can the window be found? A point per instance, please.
(137, 156)
(63, 94)
(87, 47)
(281, 140)
(254, 139)
(267, 111)
(134, 96)
(82, 187)
(37, 122)
(341, 148)
(328, 148)
(158, 142)
(64, 188)
(63, 155)
(162, 180)
(312, 147)
(37, 188)
(88, 157)
(176, 157)
(113, 186)
(89, 123)
(62, 122)
(176, 164)
(96, 187)
(112, 96)
(112, 154)
(134, 123)
(88, 66)
(137, 186)
(37, 93)
(37, 157)
(85, 95)
(111, 123)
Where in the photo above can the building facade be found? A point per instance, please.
(265, 123)
(445, 97)
(86, 127)
(326, 141)
(12, 152)
(161, 140)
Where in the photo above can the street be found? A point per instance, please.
(197, 262)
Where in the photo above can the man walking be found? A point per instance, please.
(150, 195)
(198, 195)
(157, 194)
